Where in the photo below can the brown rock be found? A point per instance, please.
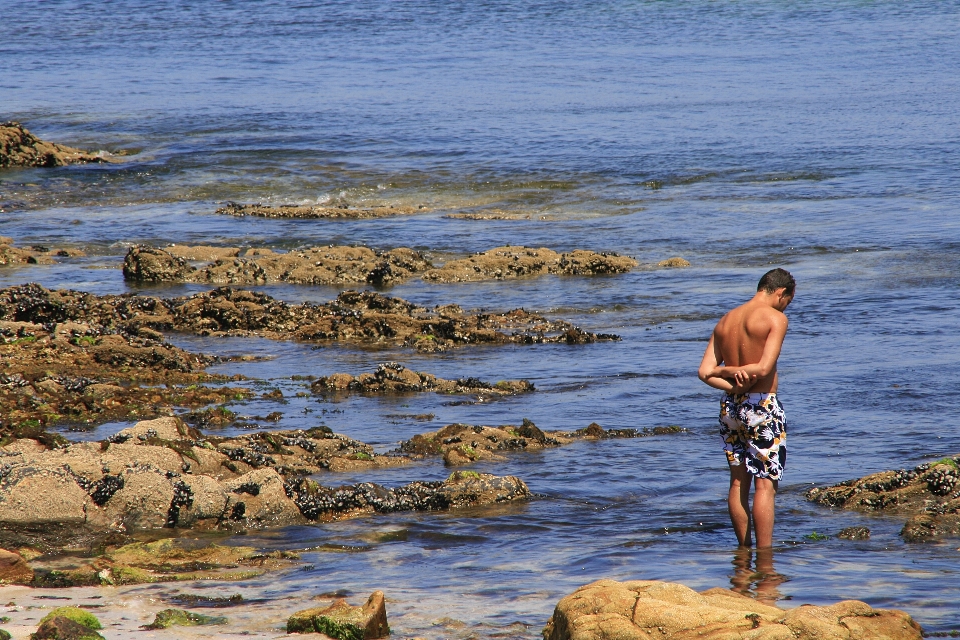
(644, 609)
(337, 211)
(929, 495)
(673, 262)
(20, 148)
(315, 266)
(35, 495)
(14, 569)
(63, 628)
(264, 499)
(392, 377)
(508, 262)
(344, 622)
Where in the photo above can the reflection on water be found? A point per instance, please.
(754, 575)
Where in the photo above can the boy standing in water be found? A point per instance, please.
(741, 359)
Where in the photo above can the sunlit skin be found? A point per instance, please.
(741, 357)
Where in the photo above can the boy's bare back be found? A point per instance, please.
(741, 338)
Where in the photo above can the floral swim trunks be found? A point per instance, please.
(754, 431)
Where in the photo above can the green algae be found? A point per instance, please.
(76, 614)
(179, 617)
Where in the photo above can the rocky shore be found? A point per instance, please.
(162, 474)
(461, 444)
(313, 266)
(928, 495)
(392, 377)
(356, 265)
(339, 210)
(11, 255)
(644, 609)
(362, 317)
(20, 148)
(91, 370)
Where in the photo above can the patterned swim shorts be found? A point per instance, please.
(754, 431)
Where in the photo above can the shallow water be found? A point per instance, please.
(820, 137)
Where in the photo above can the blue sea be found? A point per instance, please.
(822, 137)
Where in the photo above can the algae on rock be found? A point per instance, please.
(342, 621)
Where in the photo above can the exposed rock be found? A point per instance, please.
(341, 210)
(854, 533)
(178, 617)
(461, 444)
(391, 377)
(57, 370)
(161, 474)
(344, 622)
(459, 490)
(314, 266)
(929, 495)
(507, 262)
(674, 262)
(365, 317)
(14, 569)
(20, 148)
(32, 255)
(492, 214)
(78, 615)
(63, 628)
(644, 609)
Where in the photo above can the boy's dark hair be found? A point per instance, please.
(777, 279)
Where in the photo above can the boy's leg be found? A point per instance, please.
(738, 503)
(763, 502)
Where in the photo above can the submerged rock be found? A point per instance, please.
(928, 494)
(314, 266)
(180, 618)
(341, 210)
(674, 262)
(391, 377)
(644, 609)
(344, 622)
(854, 533)
(365, 317)
(20, 148)
(508, 262)
(10, 254)
(14, 569)
(461, 444)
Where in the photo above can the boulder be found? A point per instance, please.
(259, 499)
(143, 502)
(36, 495)
(644, 609)
(63, 628)
(167, 428)
(178, 617)
(20, 148)
(344, 622)
(68, 623)
(14, 569)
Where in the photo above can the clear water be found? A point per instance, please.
(818, 136)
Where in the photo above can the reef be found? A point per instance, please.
(93, 370)
(312, 266)
(392, 377)
(20, 148)
(339, 210)
(508, 262)
(37, 254)
(461, 444)
(162, 474)
(363, 317)
(929, 495)
(644, 609)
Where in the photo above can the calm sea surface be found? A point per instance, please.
(823, 137)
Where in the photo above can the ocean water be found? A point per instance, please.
(820, 136)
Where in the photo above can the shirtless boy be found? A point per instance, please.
(741, 359)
